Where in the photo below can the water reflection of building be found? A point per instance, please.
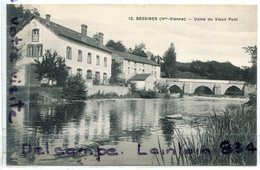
(98, 128)
(139, 119)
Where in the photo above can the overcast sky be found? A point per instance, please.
(194, 40)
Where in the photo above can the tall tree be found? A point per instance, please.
(51, 67)
(169, 65)
(115, 72)
(119, 46)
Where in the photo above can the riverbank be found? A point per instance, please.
(53, 96)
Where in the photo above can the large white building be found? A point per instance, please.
(83, 54)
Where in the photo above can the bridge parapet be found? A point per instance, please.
(188, 86)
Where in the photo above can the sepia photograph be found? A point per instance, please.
(131, 85)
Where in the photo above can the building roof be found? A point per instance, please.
(140, 77)
(65, 32)
(136, 58)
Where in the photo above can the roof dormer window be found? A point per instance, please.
(35, 35)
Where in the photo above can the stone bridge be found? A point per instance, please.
(192, 86)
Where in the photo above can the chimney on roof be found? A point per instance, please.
(48, 18)
(99, 37)
(84, 29)
(149, 55)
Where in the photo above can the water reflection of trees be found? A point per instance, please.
(167, 127)
(107, 121)
(132, 120)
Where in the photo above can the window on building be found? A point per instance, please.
(79, 56)
(89, 58)
(34, 50)
(69, 53)
(38, 51)
(97, 74)
(104, 77)
(69, 70)
(135, 71)
(143, 64)
(128, 70)
(143, 70)
(30, 50)
(35, 35)
(105, 62)
(97, 78)
(155, 74)
(79, 71)
(98, 60)
(89, 74)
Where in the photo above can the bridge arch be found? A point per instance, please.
(200, 86)
(178, 84)
(234, 91)
(199, 90)
(176, 89)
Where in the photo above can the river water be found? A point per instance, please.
(120, 124)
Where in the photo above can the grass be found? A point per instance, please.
(102, 95)
(137, 94)
(235, 125)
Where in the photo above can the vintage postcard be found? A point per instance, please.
(130, 84)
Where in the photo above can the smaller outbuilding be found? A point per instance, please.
(144, 81)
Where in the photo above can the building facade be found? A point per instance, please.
(133, 64)
(83, 54)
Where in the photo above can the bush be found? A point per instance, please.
(147, 94)
(75, 88)
(167, 96)
(133, 87)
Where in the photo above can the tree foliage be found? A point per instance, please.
(75, 88)
(139, 50)
(115, 72)
(119, 46)
(169, 67)
(250, 73)
(212, 70)
(51, 67)
(20, 12)
(252, 51)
